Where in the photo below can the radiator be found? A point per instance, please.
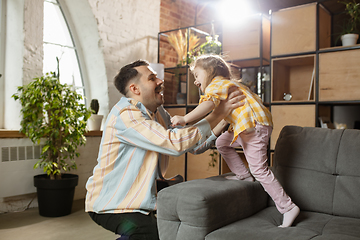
(17, 158)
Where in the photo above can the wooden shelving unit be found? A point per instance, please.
(339, 74)
(180, 82)
(295, 76)
(248, 56)
(320, 77)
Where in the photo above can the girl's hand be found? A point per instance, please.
(178, 120)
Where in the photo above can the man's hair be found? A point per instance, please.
(214, 66)
(126, 74)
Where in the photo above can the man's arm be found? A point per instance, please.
(220, 127)
(134, 128)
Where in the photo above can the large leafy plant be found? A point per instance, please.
(52, 111)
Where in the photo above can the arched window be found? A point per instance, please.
(59, 47)
(80, 42)
(2, 59)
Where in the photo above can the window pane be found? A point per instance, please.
(58, 44)
(68, 64)
(55, 27)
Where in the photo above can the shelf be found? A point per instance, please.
(339, 48)
(246, 63)
(176, 70)
(340, 103)
(339, 74)
(198, 166)
(337, 114)
(323, 80)
(174, 84)
(294, 29)
(295, 76)
(193, 91)
(175, 105)
(247, 41)
(298, 115)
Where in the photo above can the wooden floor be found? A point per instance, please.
(30, 225)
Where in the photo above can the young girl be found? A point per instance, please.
(250, 127)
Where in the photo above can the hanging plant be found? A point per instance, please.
(214, 157)
(211, 46)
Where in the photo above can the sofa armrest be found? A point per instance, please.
(192, 209)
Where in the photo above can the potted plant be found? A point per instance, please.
(350, 33)
(51, 113)
(95, 120)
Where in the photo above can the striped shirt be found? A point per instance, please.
(241, 118)
(124, 178)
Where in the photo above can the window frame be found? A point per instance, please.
(2, 60)
(85, 33)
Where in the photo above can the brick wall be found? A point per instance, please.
(128, 30)
(33, 40)
(175, 14)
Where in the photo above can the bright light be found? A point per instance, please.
(235, 11)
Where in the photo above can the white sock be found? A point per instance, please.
(290, 216)
(249, 179)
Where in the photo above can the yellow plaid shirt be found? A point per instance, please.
(241, 118)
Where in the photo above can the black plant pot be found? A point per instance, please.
(55, 197)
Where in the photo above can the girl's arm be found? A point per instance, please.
(199, 112)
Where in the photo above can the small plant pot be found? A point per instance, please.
(349, 39)
(94, 122)
(55, 197)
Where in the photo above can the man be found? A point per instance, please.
(121, 193)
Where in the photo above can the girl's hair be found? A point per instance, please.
(214, 65)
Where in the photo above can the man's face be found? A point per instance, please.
(151, 88)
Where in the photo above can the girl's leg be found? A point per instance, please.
(230, 156)
(255, 149)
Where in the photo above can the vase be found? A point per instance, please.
(94, 122)
(349, 39)
(55, 197)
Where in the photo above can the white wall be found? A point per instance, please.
(14, 53)
(128, 30)
(111, 33)
(16, 175)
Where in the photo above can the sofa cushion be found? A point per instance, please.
(347, 187)
(192, 209)
(318, 168)
(308, 225)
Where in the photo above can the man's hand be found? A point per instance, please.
(233, 101)
(178, 120)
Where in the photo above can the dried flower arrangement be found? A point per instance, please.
(179, 42)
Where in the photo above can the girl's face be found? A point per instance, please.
(201, 78)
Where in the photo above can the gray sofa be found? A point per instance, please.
(320, 170)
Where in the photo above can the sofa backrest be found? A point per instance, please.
(320, 169)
